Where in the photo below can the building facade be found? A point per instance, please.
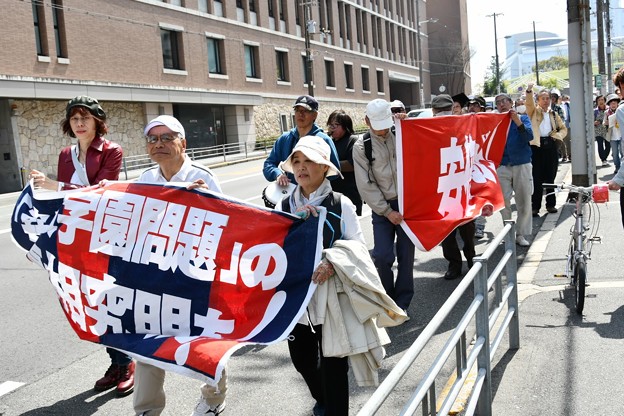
(449, 47)
(229, 70)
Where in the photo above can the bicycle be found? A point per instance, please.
(583, 234)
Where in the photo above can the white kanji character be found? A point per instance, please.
(116, 223)
(76, 207)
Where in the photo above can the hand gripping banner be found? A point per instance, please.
(175, 278)
(447, 172)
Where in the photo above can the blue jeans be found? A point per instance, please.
(616, 148)
(384, 233)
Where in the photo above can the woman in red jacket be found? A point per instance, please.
(85, 163)
(93, 158)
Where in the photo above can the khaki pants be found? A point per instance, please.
(517, 181)
(149, 394)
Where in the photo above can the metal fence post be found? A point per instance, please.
(125, 168)
(482, 319)
(512, 279)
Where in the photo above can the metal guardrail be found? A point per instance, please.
(482, 351)
(220, 153)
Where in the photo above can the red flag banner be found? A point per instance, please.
(447, 172)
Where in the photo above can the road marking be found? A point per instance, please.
(8, 386)
(240, 178)
(8, 230)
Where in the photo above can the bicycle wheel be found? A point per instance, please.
(580, 277)
(570, 260)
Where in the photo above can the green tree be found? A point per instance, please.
(553, 63)
(489, 81)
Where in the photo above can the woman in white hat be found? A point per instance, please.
(310, 163)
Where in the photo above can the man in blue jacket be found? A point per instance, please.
(306, 111)
(515, 171)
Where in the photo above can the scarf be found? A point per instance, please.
(297, 200)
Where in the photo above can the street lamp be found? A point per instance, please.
(421, 87)
(496, 51)
(535, 48)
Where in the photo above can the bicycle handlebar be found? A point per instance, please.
(587, 190)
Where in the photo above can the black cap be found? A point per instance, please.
(477, 99)
(83, 101)
(461, 98)
(307, 102)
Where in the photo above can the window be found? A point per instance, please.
(202, 6)
(380, 81)
(365, 79)
(271, 12)
(41, 41)
(281, 63)
(215, 51)
(172, 48)
(252, 6)
(306, 78)
(251, 62)
(348, 69)
(59, 28)
(329, 74)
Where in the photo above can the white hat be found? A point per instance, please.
(316, 150)
(612, 97)
(397, 104)
(379, 114)
(168, 121)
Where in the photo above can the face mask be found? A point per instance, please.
(521, 109)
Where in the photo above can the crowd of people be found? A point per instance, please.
(336, 171)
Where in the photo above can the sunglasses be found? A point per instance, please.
(397, 110)
(165, 138)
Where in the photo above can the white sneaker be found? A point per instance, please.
(204, 409)
(521, 241)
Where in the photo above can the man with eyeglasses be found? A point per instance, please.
(397, 106)
(515, 170)
(306, 111)
(166, 145)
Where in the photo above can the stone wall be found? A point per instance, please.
(41, 138)
(267, 116)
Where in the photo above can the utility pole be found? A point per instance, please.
(496, 52)
(310, 29)
(609, 63)
(536, 62)
(601, 46)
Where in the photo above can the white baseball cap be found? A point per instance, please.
(379, 114)
(316, 150)
(170, 122)
(397, 104)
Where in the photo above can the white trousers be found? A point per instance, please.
(517, 181)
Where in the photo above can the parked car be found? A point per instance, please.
(421, 112)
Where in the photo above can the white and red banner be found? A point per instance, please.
(447, 172)
(173, 277)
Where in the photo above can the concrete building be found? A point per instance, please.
(449, 47)
(229, 70)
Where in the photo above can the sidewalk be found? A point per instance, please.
(567, 364)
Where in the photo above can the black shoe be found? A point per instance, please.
(535, 213)
(318, 409)
(552, 210)
(450, 275)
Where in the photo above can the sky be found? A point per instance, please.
(517, 17)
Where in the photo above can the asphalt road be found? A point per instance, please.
(46, 370)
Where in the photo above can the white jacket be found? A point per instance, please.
(354, 308)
